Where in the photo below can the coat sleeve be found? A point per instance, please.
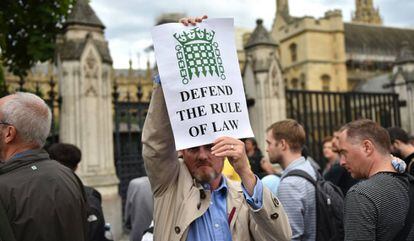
(270, 222)
(160, 157)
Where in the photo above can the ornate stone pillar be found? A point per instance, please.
(410, 107)
(86, 111)
(264, 83)
(402, 82)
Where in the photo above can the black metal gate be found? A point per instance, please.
(323, 112)
(129, 118)
(52, 99)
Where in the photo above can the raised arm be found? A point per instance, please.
(160, 157)
(270, 221)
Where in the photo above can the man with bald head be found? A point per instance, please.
(376, 208)
(43, 200)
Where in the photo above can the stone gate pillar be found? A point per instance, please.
(86, 110)
(403, 84)
(264, 83)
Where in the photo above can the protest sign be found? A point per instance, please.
(201, 81)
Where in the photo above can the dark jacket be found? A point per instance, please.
(44, 200)
(96, 220)
(409, 160)
(255, 163)
(339, 176)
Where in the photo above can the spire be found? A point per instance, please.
(406, 54)
(260, 36)
(366, 13)
(83, 14)
(148, 72)
(282, 9)
(130, 67)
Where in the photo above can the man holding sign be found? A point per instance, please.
(193, 200)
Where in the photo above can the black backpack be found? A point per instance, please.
(96, 221)
(329, 207)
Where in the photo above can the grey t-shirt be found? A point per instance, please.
(375, 209)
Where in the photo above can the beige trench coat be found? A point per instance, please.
(179, 200)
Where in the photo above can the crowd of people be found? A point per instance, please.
(365, 191)
(194, 201)
(370, 189)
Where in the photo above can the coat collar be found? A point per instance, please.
(23, 159)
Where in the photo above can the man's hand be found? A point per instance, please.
(235, 151)
(192, 20)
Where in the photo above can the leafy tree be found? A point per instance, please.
(3, 88)
(28, 30)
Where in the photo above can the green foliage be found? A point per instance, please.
(3, 89)
(28, 30)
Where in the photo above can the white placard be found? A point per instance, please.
(201, 80)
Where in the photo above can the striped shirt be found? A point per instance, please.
(375, 209)
(298, 198)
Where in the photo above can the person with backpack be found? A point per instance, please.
(379, 207)
(285, 140)
(401, 147)
(336, 173)
(314, 206)
(70, 156)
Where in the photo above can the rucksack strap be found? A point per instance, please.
(148, 230)
(410, 166)
(277, 174)
(301, 173)
(409, 219)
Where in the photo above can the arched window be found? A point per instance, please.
(326, 82)
(302, 81)
(293, 52)
(286, 83)
(295, 83)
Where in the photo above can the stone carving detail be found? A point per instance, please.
(104, 75)
(105, 79)
(91, 70)
(275, 81)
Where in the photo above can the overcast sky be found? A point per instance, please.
(129, 22)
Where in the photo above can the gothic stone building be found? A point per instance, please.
(330, 54)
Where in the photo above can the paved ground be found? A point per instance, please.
(123, 238)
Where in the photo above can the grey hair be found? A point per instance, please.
(30, 115)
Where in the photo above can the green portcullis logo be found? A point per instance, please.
(198, 54)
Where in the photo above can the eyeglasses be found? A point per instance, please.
(5, 123)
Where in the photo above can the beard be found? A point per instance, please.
(205, 174)
(276, 159)
(357, 176)
(205, 177)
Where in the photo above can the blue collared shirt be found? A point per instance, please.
(213, 224)
(20, 154)
(298, 198)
